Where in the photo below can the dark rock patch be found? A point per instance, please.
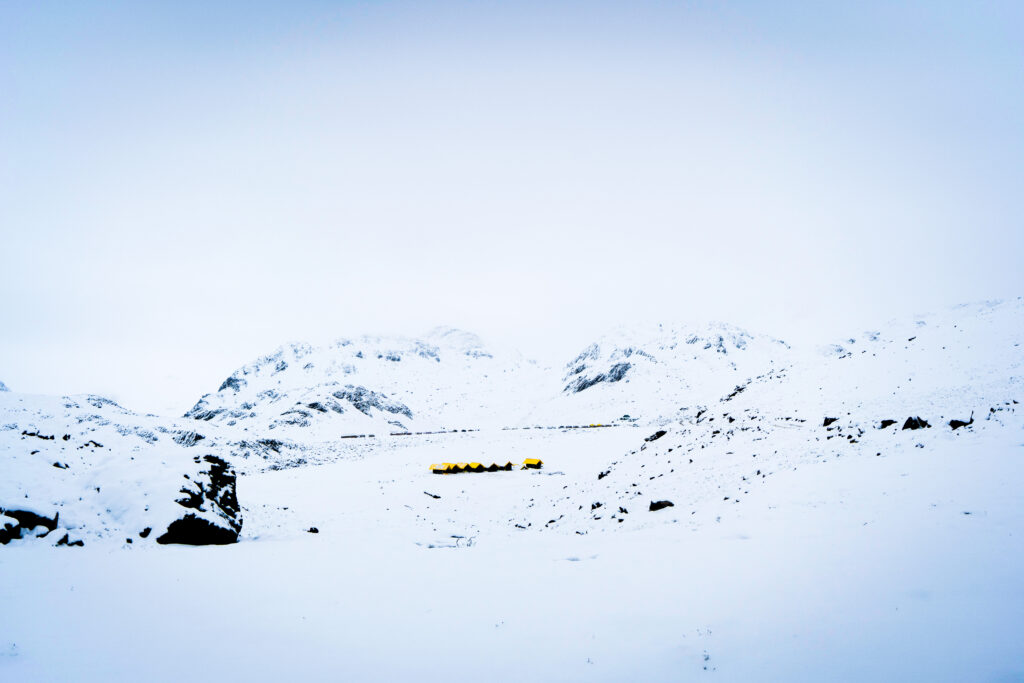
(363, 400)
(192, 530)
(828, 421)
(188, 439)
(211, 493)
(66, 541)
(656, 435)
(38, 435)
(233, 383)
(957, 424)
(661, 504)
(24, 521)
(614, 374)
(886, 423)
(916, 423)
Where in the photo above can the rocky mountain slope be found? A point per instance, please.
(645, 375)
(82, 468)
(377, 385)
(722, 411)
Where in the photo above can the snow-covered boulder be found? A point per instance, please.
(209, 496)
(84, 469)
(16, 524)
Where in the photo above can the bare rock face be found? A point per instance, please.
(19, 523)
(916, 423)
(213, 514)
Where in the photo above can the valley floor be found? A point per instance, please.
(908, 566)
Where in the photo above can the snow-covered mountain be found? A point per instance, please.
(939, 381)
(378, 385)
(82, 468)
(716, 392)
(875, 480)
(646, 375)
(3, 387)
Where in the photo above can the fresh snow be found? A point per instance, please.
(793, 549)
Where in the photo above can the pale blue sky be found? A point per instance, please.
(184, 187)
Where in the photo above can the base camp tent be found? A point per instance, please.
(457, 467)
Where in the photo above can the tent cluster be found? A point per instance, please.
(456, 467)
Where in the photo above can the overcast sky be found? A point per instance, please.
(185, 187)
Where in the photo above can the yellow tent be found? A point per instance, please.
(455, 468)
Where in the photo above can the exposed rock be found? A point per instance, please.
(211, 494)
(188, 438)
(656, 435)
(886, 423)
(957, 424)
(17, 523)
(828, 421)
(661, 504)
(915, 423)
(193, 530)
(233, 383)
(363, 399)
(615, 373)
(66, 541)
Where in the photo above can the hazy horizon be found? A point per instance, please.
(185, 188)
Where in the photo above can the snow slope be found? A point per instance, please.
(378, 385)
(843, 513)
(101, 472)
(646, 374)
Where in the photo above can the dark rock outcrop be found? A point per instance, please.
(957, 424)
(656, 435)
(363, 400)
(615, 373)
(661, 504)
(193, 530)
(65, 540)
(916, 423)
(22, 522)
(211, 495)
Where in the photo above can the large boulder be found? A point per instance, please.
(19, 523)
(213, 516)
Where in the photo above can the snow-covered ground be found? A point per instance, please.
(817, 529)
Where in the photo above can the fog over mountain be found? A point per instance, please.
(533, 341)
